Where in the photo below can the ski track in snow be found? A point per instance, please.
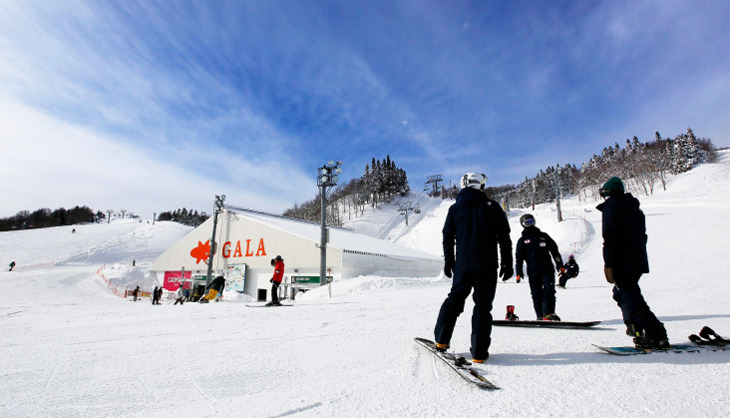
(71, 348)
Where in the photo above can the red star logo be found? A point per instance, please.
(201, 252)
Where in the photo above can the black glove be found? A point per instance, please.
(505, 272)
(448, 269)
(271, 280)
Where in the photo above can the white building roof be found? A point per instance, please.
(339, 238)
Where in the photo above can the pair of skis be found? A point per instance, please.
(459, 364)
(471, 374)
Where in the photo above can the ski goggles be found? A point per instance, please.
(529, 222)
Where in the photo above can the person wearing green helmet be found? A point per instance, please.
(625, 260)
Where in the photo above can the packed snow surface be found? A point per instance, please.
(71, 347)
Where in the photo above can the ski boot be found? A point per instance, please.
(551, 317)
(644, 343)
(511, 314)
(633, 330)
(441, 347)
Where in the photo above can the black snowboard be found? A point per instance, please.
(544, 324)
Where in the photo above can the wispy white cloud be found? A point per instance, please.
(50, 163)
(234, 89)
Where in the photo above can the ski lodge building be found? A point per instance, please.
(247, 241)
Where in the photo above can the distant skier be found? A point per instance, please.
(154, 296)
(570, 270)
(278, 264)
(12, 265)
(180, 294)
(135, 294)
(539, 251)
(216, 286)
(625, 260)
(475, 225)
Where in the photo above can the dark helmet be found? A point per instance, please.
(570, 257)
(278, 258)
(613, 187)
(273, 261)
(527, 220)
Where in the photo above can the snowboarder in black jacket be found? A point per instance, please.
(625, 260)
(475, 225)
(539, 251)
(570, 270)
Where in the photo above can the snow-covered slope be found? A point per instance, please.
(71, 348)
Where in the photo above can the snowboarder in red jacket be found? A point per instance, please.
(278, 264)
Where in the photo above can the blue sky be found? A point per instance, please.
(153, 105)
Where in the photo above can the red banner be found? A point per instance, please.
(172, 280)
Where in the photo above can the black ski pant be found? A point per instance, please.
(275, 292)
(563, 279)
(485, 286)
(542, 289)
(627, 294)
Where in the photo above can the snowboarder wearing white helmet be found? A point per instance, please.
(475, 225)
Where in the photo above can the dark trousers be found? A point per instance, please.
(542, 288)
(180, 300)
(485, 286)
(275, 292)
(563, 279)
(627, 294)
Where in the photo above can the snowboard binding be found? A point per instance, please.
(511, 314)
(709, 337)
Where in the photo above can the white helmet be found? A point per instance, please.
(474, 180)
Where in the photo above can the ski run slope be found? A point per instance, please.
(71, 348)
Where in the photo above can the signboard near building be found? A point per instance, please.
(236, 277)
(173, 279)
(307, 281)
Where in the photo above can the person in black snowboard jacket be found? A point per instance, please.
(625, 260)
(539, 251)
(570, 271)
(475, 225)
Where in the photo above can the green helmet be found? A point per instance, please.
(613, 187)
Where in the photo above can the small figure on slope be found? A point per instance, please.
(475, 225)
(570, 270)
(180, 295)
(278, 264)
(536, 248)
(625, 260)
